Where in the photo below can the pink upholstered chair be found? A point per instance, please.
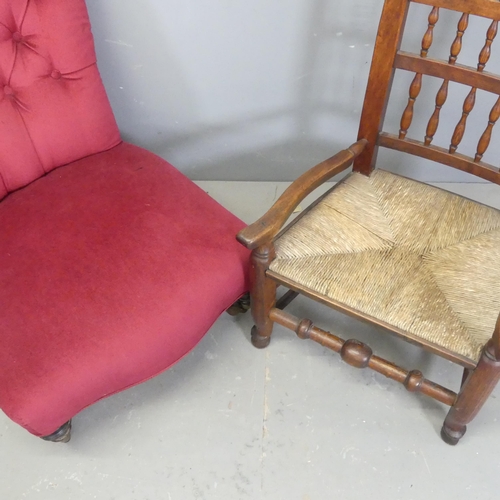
(113, 265)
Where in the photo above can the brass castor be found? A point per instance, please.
(62, 435)
(241, 306)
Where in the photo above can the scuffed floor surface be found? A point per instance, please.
(288, 422)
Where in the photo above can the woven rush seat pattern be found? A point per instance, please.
(416, 258)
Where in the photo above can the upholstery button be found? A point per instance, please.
(17, 37)
(56, 74)
(8, 91)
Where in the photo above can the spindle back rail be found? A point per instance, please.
(388, 57)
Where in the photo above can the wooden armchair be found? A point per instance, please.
(421, 262)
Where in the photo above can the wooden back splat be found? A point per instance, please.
(388, 57)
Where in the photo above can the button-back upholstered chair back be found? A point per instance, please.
(53, 105)
(420, 262)
(113, 264)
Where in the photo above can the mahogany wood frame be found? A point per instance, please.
(479, 379)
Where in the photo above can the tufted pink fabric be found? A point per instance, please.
(113, 265)
(53, 107)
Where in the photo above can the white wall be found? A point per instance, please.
(259, 89)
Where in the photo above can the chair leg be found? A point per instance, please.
(465, 376)
(262, 295)
(472, 396)
(62, 435)
(241, 306)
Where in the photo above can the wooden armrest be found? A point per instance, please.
(267, 227)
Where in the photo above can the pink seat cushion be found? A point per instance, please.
(111, 269)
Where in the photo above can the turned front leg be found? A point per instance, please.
(262, 295)
(474, 392)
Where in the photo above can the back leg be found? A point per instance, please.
(241, 306)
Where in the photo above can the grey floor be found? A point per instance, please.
(288, 422)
